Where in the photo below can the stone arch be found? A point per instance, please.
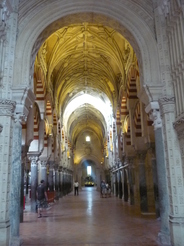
(138, 31)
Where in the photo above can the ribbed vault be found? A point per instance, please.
(84, 67)
(84, 56)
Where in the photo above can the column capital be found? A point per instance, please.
(153, 110)
(7, 107)
(179, 127)
(43, 163)
(167, 105)
(33, 158)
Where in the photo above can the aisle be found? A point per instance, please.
(88, 220)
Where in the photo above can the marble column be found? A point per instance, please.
(57, 182)
(50, 176)
(6, 111)
(15, 191)
(61, 181)
(43, 170)
(125, 185)
(34, 180)
(174, 168)
(131, 180)
(155, 182)
(164, 234)
(119, 184)
(22, 189)
(142, 182)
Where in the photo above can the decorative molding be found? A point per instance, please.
(43, 163)
(7, 107)
(167, 105)
(5, 10)
(165, 6)
(24, 98)
(19, 118)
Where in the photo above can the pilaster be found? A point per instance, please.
(174, 170)
(7, 108)
(154, 112)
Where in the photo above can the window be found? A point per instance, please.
(88, 170)
(87, 139)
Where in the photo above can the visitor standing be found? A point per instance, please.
(76, 188)
(42, 198)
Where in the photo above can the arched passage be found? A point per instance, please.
(41, 21)
(34, 31)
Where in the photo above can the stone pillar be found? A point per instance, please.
(174, 170)
(22, 191)
(125, 185)
(155, 183)
(56, 178)
(50, 176)
(142, 182)
(116, 183)
(131, 179)
(43, 171)
(57, 182)
(15, 191)
(34, 180)
(120, 184)
(6, 110)
(22, 186)
(164, 234)
(61, 181)
(136, 176)
(98, 178)
(149, 182)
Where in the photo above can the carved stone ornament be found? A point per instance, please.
(165, 5)
(179, 127)
(33, 159)
(167, 105)
(43, 163)
(154, 114)
(19, 118)
(1, 128)
(7, 107)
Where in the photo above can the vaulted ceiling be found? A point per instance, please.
(85, 59)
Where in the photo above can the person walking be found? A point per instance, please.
(76, 188)
(42, 198)
(103, 188)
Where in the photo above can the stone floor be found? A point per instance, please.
(88, 220)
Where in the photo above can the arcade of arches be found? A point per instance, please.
(109, 71)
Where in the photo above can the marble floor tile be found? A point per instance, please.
(88, 220)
